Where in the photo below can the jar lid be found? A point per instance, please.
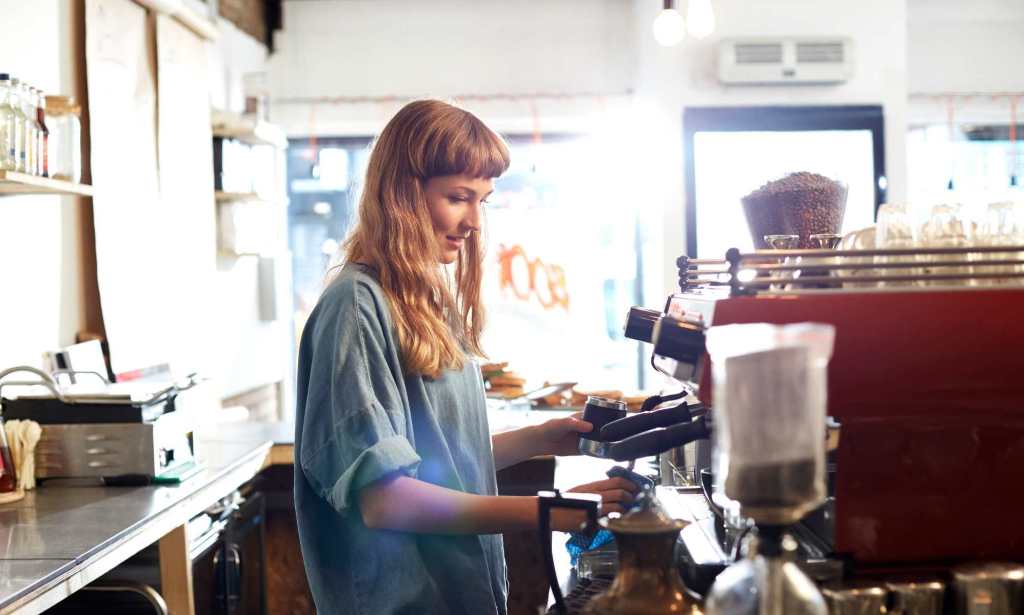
(62, 104)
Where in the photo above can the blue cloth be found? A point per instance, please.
(358, 419)
(579, 542)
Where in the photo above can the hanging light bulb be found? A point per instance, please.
(701, 18)
(669, 27)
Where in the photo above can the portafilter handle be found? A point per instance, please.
(642, 421)
(658, 440)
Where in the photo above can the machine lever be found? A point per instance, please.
(642, 421)
(659, 440)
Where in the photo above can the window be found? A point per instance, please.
(562, 266)
(323, 183)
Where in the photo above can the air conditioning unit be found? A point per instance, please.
(774, 61)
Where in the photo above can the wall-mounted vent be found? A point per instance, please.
(758, 53)
(829, 52)
(762, 61)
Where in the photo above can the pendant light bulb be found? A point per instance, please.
(700, 18)
(669, 27)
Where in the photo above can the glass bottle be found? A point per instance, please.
(7, 118)
(8, 476)
(42, 143)
(32, 133)
(20, 126)
(65, 143)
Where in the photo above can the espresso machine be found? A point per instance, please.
(925, 428)
(923, 385)
(924, 431)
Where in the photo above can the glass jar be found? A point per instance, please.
(945, 229)
(862, 239)
(63, 118)
(1003, 226)
(895, 231)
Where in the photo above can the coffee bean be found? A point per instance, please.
(801, 204)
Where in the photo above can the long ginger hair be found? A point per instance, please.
(437, 318)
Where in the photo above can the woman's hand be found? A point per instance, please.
(617, 494)
(561, 436)
(553, 437)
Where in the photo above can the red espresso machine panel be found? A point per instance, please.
(928, 386)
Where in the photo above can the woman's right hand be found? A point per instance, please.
(616, 496)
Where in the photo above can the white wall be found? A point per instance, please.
(951, 50)
(41, 297)
(232, 56)
(669, 79)
(249, 352)
(41, 304)
(411, 48)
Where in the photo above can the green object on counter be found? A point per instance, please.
(178, 474)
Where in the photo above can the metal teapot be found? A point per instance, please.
(647, 582)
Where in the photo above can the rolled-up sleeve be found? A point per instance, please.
(356, 428)
(362, 450)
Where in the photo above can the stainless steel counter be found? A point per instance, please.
(279, 433)
(60, 538)
(283, 433)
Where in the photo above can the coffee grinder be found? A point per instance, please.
(769, 458)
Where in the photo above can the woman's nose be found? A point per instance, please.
(472, 219)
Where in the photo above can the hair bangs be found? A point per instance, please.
(467, 147)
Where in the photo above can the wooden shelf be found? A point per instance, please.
(228, 197)
(21, 183)
(201, 25)
(254, 132)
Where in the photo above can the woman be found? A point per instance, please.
(395, 475)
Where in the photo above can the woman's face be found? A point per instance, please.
(455, 202)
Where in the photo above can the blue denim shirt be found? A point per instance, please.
(358, 419)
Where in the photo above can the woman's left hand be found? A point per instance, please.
(561, 436)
